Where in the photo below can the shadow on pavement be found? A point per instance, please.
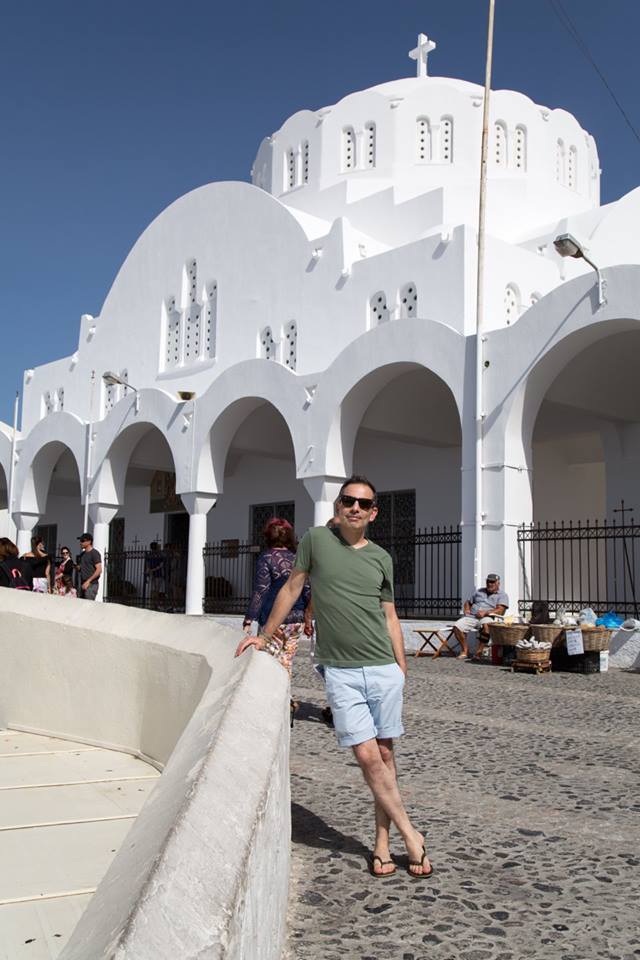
(312, 831)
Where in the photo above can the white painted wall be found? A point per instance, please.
(205, 867)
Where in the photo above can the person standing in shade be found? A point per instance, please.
(90, 564)
(360, 646)
(39, 562)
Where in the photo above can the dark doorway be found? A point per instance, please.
(177, 529)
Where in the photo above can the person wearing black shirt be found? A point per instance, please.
(39, 562)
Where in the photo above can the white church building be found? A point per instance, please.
(278, 335)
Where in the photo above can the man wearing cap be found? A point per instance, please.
(90, 564)
(479, 610)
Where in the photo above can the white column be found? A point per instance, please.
(198, 505)
(25, 522)
(102, 514)
(323, 491)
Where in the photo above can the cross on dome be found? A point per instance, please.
(421, 53)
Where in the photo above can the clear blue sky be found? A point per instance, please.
(112, 110)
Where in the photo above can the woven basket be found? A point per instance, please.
(548, 632)
(527, 655)
(595, 639)
(508, 635)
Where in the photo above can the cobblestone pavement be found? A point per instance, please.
(528, 787)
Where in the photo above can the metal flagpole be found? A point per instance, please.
(478, 559)
(12, 465)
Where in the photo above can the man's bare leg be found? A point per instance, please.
(462, 640)
(383, 823)
(381, 779)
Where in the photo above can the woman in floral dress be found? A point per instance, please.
(272, 571)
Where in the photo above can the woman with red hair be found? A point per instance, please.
(272, 571)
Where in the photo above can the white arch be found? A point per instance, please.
(536, 349)
(120, 432)
(228, 402)
(38, 454)
(358, 374)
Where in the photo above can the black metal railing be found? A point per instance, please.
(426, 573)
(229, 567)
(140, 577)
(426, 569)
(578, 565)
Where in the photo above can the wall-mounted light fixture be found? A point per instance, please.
(567, 246)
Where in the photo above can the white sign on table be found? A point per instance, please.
(574, 642)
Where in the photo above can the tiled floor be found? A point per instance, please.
(65, 808)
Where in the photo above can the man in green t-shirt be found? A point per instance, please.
(361, 652)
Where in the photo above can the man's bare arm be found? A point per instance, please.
(287, 596)
(395, 632)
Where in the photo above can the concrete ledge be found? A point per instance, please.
(204, 870)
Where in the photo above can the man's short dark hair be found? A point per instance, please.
(356, 478)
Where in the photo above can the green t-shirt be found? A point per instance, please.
(347, 587)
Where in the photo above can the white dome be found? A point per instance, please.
(421, 135)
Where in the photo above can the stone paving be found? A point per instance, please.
(528, 787)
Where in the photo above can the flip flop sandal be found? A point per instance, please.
(420, 863)
(383, 863)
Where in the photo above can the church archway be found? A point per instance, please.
(148, 536)
(409, 443)
(61, 520)
(585, 455)
(253, 443)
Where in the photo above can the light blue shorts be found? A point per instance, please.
(366, 702)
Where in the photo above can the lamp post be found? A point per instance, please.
(113, 379)
(567, 246)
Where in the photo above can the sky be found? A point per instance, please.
(110, 111)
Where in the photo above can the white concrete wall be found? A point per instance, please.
(204, 870)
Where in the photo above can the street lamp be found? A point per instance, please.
(113, 380)
(567, 246)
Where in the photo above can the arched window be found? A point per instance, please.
(211, 319)
(423, 140)
(305, 162)
(290, 345)
(290, 169)
(172, 336)
(60, 399)
(500, 143)
(267, 345)
(511, 303)
(348, 149)
(520, 152)
(408, 301)
(370, 151)
(446, 140)
(378, 310)
(560, 161)
(47, 402)
(572, 168)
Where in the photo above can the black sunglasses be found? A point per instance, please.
(365, 502)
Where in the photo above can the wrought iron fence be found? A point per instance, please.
(579, 565)
(229, 567)
(152, 579)
(426, 573)
(426, 568)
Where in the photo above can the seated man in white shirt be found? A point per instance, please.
(479, 611)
